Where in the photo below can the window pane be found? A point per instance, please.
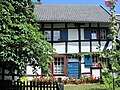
(56, 35)
(58, 65)
(87, 33)
(94, 34)
(102, 34)
(88, 61)
(48, 35)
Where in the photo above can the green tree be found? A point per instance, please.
(21, 41)
(110, 75)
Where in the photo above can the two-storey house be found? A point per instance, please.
(74, 29)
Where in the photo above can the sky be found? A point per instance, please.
(96, 2)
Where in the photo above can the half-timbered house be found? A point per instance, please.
(74, 29)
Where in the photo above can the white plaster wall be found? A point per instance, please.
(72, 59)
(29, 70)
(73, 47)
(71, 25)
(82, 59)
(96, 72)
(109, 45)
(59, 25)
(94, 25)
(104, 25)
(72, 34)
(86, 25)
(85, 46)
(60, 47)
(84, 70)
(94, 46)
(47, 25)
(82, 33)
(102, 45)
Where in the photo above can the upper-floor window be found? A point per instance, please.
(102, 34)
(48, 35)
(94, 33)
(56, 35)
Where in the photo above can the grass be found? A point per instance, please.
(85, 87)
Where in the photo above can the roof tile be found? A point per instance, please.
(71, 13)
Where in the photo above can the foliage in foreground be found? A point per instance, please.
(110, 75)
(21, 42)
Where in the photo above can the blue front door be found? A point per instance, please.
(73, 69)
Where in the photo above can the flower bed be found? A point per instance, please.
(50, 79)
(85, 79)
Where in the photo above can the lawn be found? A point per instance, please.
(85, 87)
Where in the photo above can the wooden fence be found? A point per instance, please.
(29, 85)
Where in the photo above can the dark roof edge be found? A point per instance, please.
(70, 22)
(105, 9)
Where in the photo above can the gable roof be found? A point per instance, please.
(70, 13)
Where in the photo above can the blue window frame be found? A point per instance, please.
(88, 61)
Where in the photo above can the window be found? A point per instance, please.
(88, 61)
(48, 35)
(56, 35)
(105, 61)
(95, 59)
(90, 33)
(59, 65)
(94, 34)
(87, 33)
(102, 34)
(91, 61)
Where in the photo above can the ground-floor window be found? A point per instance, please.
(95, 60)
(59, 65)
(92, 61)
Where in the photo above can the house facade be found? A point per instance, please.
(74, 31)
